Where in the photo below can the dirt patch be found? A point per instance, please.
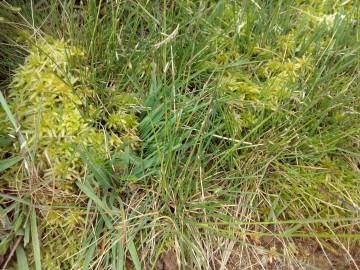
(271, 254)
(167, 261)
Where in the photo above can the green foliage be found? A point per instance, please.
(246, 149)
(56, 114)
(50, 103)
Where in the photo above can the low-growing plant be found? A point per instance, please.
(180, 134)
(59, 120)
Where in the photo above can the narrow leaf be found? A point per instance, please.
(98, 170)
(121, 257)
(94, 243)
(7, 163)
(35, 240)
(134, 256)
(7, 111)
(91, 194)
(21, 258)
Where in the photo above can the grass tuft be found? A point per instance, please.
(179, 134)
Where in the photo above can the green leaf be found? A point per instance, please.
(5, 141)
(93, 244)
(121, 257)
(98, 170)
(89, 256)
(134, 256)
(15, 198)
(7, 163)
(21, 258)
(4, 219)
(118, 256)
(91, 194)
(10, 7)
(18, 223)
(7, 111)
(35, 240)
(4, 245)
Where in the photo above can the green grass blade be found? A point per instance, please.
(91, 194)
(8, 111)
(7, 163)
(88, 257)
(93, 244)
(134, 255)
(120, 257)
(35, 240)
(21, 258)
(100, 173)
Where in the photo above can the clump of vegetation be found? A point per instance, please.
(59, 121)
(180, 134)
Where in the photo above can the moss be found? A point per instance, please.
(58, 116)
(247, 96)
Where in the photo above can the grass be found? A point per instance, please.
(245, 151)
